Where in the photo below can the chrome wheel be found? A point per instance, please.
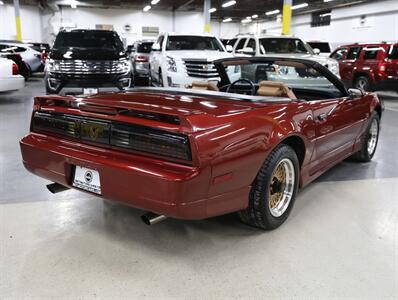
(373, 136)
(281, 187)
(362, 83)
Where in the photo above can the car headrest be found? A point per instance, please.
(275, 89)
(205, 85)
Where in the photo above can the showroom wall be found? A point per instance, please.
(379, 24)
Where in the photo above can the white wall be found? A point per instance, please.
(30, 23)
(381, 24)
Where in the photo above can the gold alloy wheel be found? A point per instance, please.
(281, 187)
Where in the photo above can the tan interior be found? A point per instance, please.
(204, 85)
(275, 89)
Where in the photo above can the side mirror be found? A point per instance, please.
(229, 48)
(316, 51)
(247, 51)
(156, 47)
(355, 93)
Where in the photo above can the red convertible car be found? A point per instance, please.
(235, 145)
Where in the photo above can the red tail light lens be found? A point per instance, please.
(15, 69)
(141, 58)
(382, 67)
(44, 56)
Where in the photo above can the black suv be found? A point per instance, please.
(87, 61)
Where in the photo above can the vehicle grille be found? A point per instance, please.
(88, 67)
(200, 68)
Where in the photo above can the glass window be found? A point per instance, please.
(282, 45)
(231, 42)
(89, 39)
(188, 42)
(353, 53)
(321, 18)
(371, 53)
(241, 44)
(393, 52)
(144, 47)
(323, 47)
(339, 53)
(252, 44)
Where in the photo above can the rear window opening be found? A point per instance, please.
(144, 47)
(393, 52)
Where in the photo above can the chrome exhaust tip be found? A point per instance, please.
(152, 218)
(56, 188)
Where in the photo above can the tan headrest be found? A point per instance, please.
(204, 85)
(275, 89)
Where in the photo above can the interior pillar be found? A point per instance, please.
(206, 15)
(17, 20)
(286, 16)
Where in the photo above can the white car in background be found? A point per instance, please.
(177, 60)
(323, 48)
(282, 46)
(30, 56)
(9, 78)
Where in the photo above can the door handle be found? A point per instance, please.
(322, 117)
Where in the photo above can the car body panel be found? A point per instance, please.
(8, 81)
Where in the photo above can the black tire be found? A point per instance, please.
(258, 213)
(362, 83)
(161, 78)
(364, 155)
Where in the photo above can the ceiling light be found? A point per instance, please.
(249, 18)
(273, 12)
(227, 20)
(146, 8)
(246, 20)
(73, 3)
(154, 2)
(212, 10)
(229, 3)
(1, 2)
(254, 16)
(327, 0)
(302, 5)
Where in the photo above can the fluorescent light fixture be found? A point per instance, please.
(298, 6)
(212, 10)
(244, 21)
(227, 20)
(325, 15)
(73, 3)
(1, 2)
(248, 18)
(229, 3)
(273, 12)
(327, 0)
(146, 8)
(154, 2)
(254, 16)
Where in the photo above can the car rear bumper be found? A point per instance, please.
(141, 69)
(11, 83)
(150, 184)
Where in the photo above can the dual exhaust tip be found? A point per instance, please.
(148, 218)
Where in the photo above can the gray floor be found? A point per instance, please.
(341, 239)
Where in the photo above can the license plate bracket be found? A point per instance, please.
(87, 179)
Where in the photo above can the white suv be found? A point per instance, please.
(176, 60)
(283, 46)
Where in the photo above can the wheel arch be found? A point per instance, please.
(298, 145)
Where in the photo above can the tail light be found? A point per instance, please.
(141, 58)
(15, 69)
(382, 67)
(44, 56)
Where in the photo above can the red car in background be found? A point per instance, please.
(237, 145)
(372, 66)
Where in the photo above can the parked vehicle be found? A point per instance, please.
(30, 56)
(9, 76)
(283, 46)
(139, 54)
(371, 66)
(321, 48)
(236, 146)
(177, 60)
(87, 61)
(23, 67)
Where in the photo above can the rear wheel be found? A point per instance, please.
(369, 140)
(274, 190)
(362, 83)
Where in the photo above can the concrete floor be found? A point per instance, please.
(341, 239)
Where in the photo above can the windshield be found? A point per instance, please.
(89, 39)
(188, 42)
(293, 74)
(144, 47)
(323, 47)
(282, 46)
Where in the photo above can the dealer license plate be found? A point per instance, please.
(87, 179)
(88, 91)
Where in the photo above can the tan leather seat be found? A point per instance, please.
(204, 85)
(275, 89)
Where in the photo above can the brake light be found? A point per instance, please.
(141, 58)
(382, 67)
(44, 56)
(15, 69)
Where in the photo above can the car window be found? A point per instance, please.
(282, 45)
(231, 42)
(371, 53)
(89, 39)
(339, 53)
(353, 53)
(393, 52)
(323, 47)
(252, 44)
(144, 47)
(189, 42)
(241, 44)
